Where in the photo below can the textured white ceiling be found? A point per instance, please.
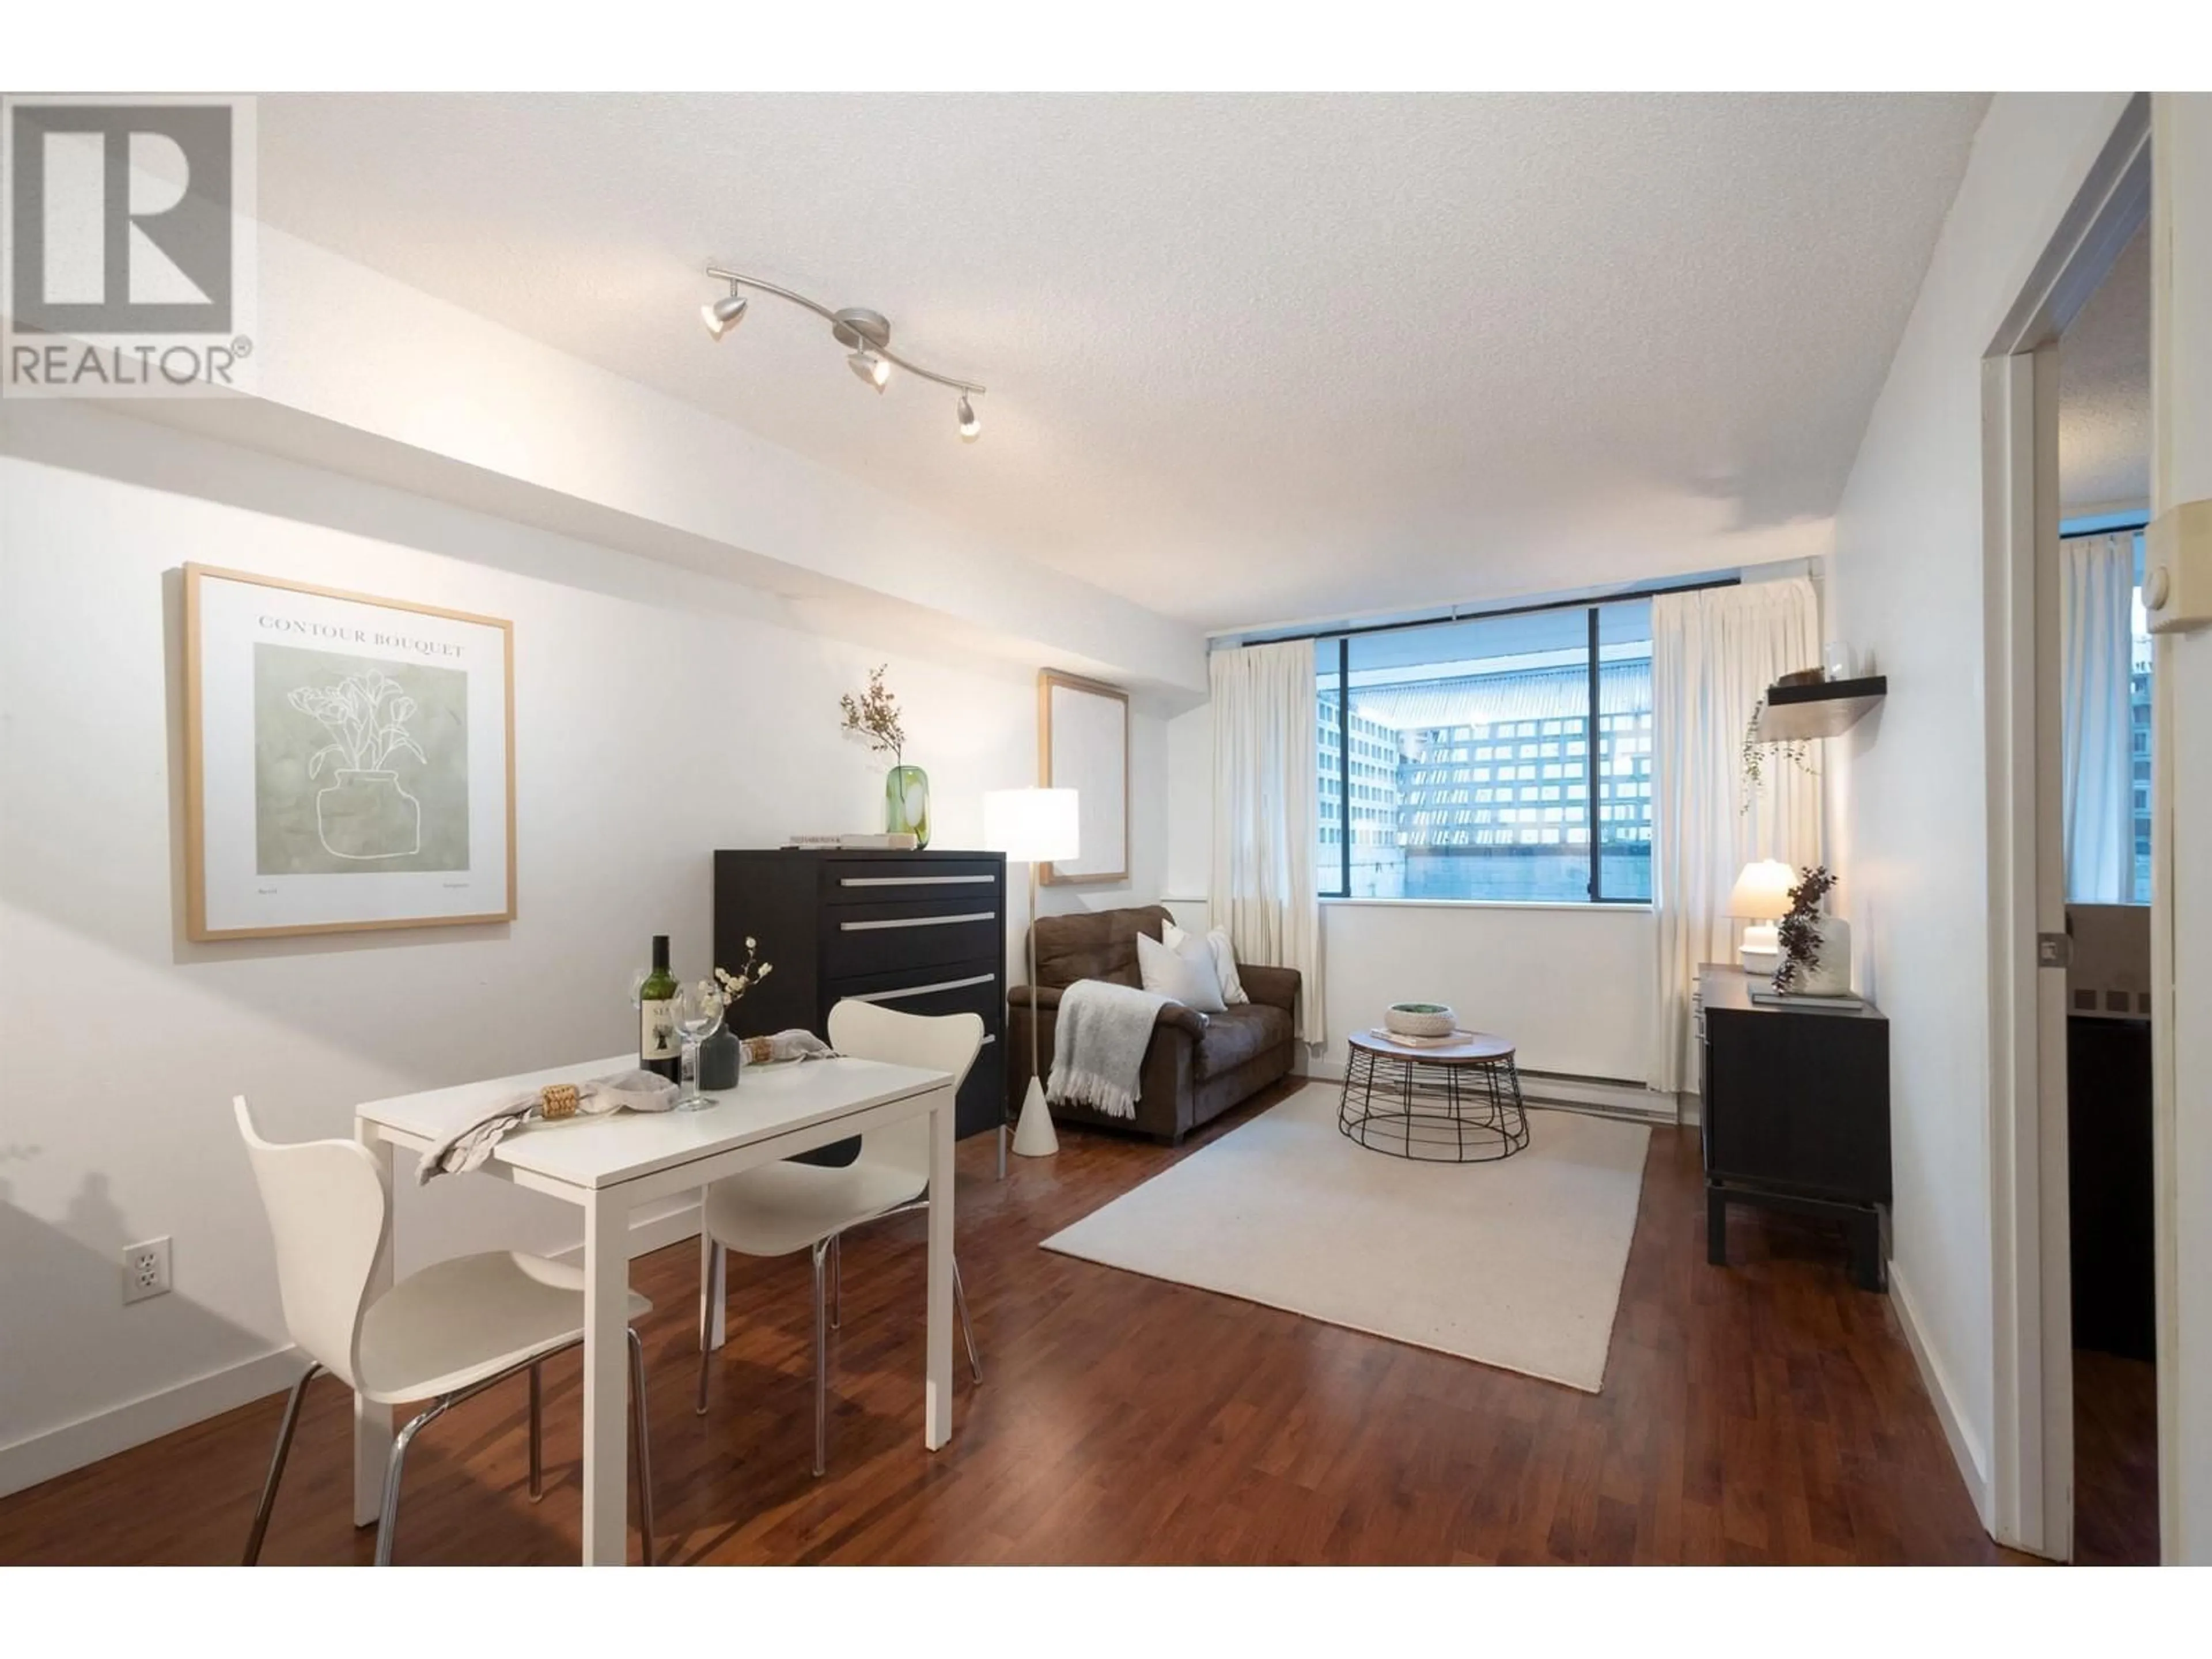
(1251, 357)
(2104, 390)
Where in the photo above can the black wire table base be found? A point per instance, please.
(1460, 1112)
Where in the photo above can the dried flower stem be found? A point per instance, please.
(874, 716)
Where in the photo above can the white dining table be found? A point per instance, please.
(607, 1166)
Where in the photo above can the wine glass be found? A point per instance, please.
(698, 1016)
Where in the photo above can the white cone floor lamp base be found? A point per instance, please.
(1034, 1136)
(1033, 826)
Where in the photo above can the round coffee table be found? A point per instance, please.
(1455, 1102)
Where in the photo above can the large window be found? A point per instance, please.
(1504, 757)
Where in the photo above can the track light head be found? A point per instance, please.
(872, 367)
(970, 427)
(722, 315)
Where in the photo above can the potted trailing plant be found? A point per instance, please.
(1815, 950)
(1761, 757)
(362, 812)
(873, 717)
(721, 1055)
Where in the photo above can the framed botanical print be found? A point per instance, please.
(1083, 744)
(349, 760)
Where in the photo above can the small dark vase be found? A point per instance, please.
(718, 1058)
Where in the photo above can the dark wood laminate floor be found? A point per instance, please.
(1766, 1413)
(2115, 1461)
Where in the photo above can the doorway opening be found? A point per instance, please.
(2040, 587)
(2104, 667)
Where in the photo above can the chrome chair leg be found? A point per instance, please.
(821, 1364)
(640, 1441)
(711, 1295)
(276, 1464)
(710, 1265)
(836, 1280)
(967, 1329)
(388, 1522)
(537, 1438)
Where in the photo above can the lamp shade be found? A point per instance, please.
(1031, 826)
(1761, 893)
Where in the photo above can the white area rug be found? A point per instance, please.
(1516, 1264)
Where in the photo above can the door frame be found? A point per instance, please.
(2031, 1498)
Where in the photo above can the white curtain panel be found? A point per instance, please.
(1266, 812)
(2096, 593)
(1714, 654)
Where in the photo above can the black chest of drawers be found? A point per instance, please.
(1795, 1109)
(922, 932)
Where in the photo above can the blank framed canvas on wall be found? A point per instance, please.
(1083, 744)
(348, 761)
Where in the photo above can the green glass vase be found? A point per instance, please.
(906, 802)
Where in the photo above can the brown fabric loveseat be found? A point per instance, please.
(1199, 1065)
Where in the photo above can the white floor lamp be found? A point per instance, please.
(1031, 827)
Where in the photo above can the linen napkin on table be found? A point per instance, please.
(632, 1091)
(457, 1154)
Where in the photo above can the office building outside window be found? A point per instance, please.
(1455, 760)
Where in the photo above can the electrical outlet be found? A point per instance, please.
(146, 1270)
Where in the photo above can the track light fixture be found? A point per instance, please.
(867, 333)
(722, 315)
(871, 368)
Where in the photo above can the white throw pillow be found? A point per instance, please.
(1225, 959)
(1186, 975)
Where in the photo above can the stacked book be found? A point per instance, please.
(1767, 996)
(893, 841)
(1405, 1042)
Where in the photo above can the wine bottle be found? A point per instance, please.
(658, 1048)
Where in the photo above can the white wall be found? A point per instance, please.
(1908, 785)
(1190, 802)
(1572, 985)
(659, 715)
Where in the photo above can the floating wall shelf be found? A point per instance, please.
(1826, 708)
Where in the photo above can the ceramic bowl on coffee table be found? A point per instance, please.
(1420, 1019)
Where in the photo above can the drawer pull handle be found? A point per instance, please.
(915, 881)
(916, 921)
(925, 990)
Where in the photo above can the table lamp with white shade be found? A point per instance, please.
(1761, 896)
(1031, 827)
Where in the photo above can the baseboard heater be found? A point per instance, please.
(1601, 1097)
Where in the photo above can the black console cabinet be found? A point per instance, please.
(922, 932)
(1796, 1107)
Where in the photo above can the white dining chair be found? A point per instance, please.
(442, 1334)
(780, 1209)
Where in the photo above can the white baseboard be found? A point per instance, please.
(50, 1452)
(1606, 1097)
(1610, 1096)
(1965, 1450)
(54, 1452)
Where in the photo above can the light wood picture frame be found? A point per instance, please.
(349, 761)
(1083, 744)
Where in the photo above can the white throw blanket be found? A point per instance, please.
(1098, 1045)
